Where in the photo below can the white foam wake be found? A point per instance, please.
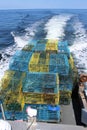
(55, 26)
(4, 63)
(79, 47)
(20, 42)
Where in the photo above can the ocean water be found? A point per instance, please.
(18, 27)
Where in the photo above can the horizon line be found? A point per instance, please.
(42, 8)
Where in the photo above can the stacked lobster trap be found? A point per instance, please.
(40, 76)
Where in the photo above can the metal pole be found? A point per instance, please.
(2, 109)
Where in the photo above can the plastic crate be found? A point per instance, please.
(46, 113)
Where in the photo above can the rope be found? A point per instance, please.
(30, 124)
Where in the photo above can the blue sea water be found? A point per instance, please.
(18, 27)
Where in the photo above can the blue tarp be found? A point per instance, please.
(53, 108)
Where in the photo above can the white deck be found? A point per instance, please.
(43, 126)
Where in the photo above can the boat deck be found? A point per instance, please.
(43, 126)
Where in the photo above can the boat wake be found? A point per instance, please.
(54, 28)
(56, 25)
(20, 42)
(79, 47)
